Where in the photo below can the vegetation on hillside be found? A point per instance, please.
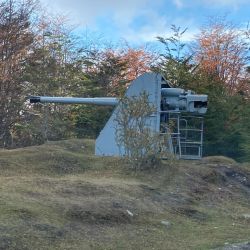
(60, 196)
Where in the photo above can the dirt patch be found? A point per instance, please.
(6, 242)
(34, 195)
(238, 246)
(219, 182)
(24, 214)
(168, 199)
(215, 177)
(192, 213)
(83, 189)
(49, 231)
(103, 217)
(10, 241)
(4, 164)
(238, 177)
(64, 164)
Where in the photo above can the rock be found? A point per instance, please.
(246, 216)
(237, 246)
(130, 213)
(166, 223)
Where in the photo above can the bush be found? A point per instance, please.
(142, 146)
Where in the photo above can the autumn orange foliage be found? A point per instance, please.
(138, 61)
(221, 51)
(116, 68)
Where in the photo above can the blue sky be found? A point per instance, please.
(140, 21)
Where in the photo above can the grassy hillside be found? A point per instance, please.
(60, 196)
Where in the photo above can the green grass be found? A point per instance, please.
(60, 196)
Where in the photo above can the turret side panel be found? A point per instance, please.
(150, 83)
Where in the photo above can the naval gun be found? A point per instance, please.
(184, 109)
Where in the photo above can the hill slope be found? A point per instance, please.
(60, 196)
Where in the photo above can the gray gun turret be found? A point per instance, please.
(170, 104)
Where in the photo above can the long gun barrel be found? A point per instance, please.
(110, 101)
(174, 99)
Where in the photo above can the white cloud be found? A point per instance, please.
(178, 3)
(159, 26)
(85, 12)
(149, 34)
(153, 20)
(122, 13)
(226, 2)
(235, 4)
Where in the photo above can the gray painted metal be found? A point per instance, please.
(177, 99)
(111, 101)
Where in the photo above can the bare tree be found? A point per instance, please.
(15, 39)
(142, 146)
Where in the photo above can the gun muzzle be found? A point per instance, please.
(35, 99)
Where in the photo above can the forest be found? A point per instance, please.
(42, 54)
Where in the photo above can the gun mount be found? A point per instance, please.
(182, 109)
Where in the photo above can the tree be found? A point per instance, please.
(52, 69)
(222, 50)
(112, 70)
(226, 122)
(176, 62)
(108, 72)
(89, 120)
(138, 61)
(15, 41)
(223, 122)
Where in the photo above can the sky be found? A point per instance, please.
(141, 21)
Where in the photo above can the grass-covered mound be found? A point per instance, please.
(60, 196)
